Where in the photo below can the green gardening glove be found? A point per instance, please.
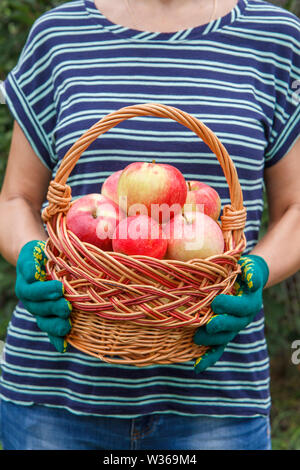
(232, 312)
(44, 299)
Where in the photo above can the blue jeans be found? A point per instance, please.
(39, 427)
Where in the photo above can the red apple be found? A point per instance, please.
(110, 186)
(160, 188)
(203, 197)
(93, 219)
(193, 235)
(140, 235)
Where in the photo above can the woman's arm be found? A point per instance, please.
(280, 247)
(22, 195)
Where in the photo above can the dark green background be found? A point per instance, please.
(281, 302)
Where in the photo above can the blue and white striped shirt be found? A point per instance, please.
(237, 74)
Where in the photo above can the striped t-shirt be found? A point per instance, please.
(237, 74)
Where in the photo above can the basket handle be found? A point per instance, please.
(59, 194)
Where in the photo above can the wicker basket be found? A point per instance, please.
(136, 309)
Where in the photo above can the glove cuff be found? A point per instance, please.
(264, 267)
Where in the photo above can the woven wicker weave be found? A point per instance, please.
(139, 310)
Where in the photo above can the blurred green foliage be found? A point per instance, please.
(17, 17)
(281, 302)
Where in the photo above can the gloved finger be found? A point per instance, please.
(208, 359)
(60, 308)
(54, 326)
(203, 338)
(250, 275)
(31, 261)
(59, 343)
(39, 291)
(227, 323)
(245, 305)
(32, 271)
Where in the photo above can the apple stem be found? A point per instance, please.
(153, 161)
(188, 217)
(189, 186)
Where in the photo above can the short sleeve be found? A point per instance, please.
(29, 93)
(285, 128)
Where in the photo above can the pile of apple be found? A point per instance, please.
(149, 209)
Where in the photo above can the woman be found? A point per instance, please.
(232, 64)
